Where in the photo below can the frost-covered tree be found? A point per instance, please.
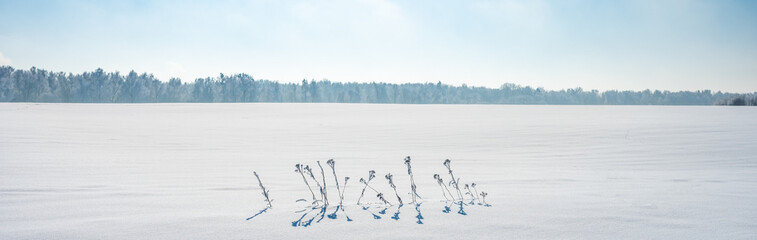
(36, 85)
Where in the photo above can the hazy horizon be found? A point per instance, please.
(509, 84)
(40, 85)
(630, 45)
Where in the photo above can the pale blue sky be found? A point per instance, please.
(671, 45)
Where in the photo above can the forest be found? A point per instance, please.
(98, 86)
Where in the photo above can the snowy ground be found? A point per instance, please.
(184, 171)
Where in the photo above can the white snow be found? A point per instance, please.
(184, 171)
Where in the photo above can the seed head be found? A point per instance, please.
(438, 179)
(330, 162)
(389, 177)
(308, 170)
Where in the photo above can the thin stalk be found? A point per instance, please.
(454, 180)
(331, 163)
(412, 181)
(310, 172)
(265, 192)
(362, 192)
(298, 168)
(483, 198)
(344, 187)
(381, 196)
(371, 175)
(391, 183)
(323, 190)
(475, 192)
(374, 190)
(367, 185)
(441, 185)
(473, 197)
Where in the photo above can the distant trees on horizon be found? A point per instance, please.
(739, 100)
(37, 85)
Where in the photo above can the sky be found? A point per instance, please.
(625, 45)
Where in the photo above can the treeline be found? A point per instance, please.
(739, 100)
(37, 85)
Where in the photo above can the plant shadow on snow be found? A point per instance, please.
(312, 213)
(258, 214)
(316, 214)
(305, 222)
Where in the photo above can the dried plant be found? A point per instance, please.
(443, 187)
(331, 164)
(323, 188)
(454, 180)
(391, 183)
(309, 171)
(299, 169)
(475, 193)
(344, 187)
(371, 175)
(265, 192)
(483, 198)
(473, 197)
(413, 188)
(381, 197)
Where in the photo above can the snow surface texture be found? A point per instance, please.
(184, 171)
